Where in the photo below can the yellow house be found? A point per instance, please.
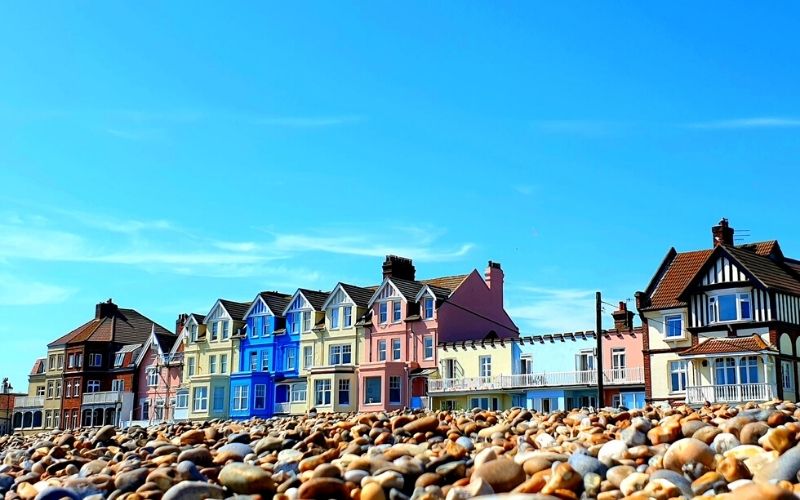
(331, 352)
(210, 358)
(469, 373)
(53, 379)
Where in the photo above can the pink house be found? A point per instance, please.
(407, 319)
(160, 363)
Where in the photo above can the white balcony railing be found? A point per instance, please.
(738, 393)
(283, 407)
(611, 376)
(105, 397)
(28, 401)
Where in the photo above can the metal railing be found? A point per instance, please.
(104, 397)
(283, 407)
(611, 376)
(28, 401)
(734, 393)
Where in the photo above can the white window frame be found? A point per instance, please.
(397, 349)
(241, 397)
(740, 295)
(253, 361)
(118, 359)
(226, 329)
(666, 319)
(308, 356)
(212, 364)
(347, 316)
(425, 313)
(214, 331)
(223, 363)
(191, 366)
(380, 390)
(382, 350)
(427, 346)
(298, 392)
(678, 367)
(200, 399)
(182, 401)
(264, 360)
(337, 353)
(335, 323)
(484, 366)
(291, 359)
(397, 311)
(95, 360)
(383, 313)
(221, 406)
(152, 376)
(307, 321)
(322, 392)
(92, 386)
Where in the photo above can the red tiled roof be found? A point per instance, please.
(685, 266)
(38, 367)
(682, 269)
(65, 338)
(729, 345)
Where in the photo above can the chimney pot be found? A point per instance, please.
(722, 233)
(105, 309)
(399, 267)
(623, 318)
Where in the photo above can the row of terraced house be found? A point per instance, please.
(716, 325)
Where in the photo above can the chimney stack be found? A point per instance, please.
(723, 233)
(180, 322)
(105, 309)
(623, 318)
(399, 267)
(494, 280)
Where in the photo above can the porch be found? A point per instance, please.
(28, 411)
(728, 371)
(106, 408)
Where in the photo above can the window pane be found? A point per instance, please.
(727, 307)
(372, 390)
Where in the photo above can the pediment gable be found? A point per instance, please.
(259, 308)
(387, 291)
(338, 297)
(298, 303)
(217, 312)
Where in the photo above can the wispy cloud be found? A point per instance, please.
(15, 291)
(540, 310)
(748, 123)
(308, 121)
(367, 246)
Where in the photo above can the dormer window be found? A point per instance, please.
(396, 305)
(193, 333)
(427, 308)
(215, 330)
(257, 322)
(306, 321)
(382, 313)
(335, 318)
(226, 329)
(729, 307)
(118, 358)
(348, 316)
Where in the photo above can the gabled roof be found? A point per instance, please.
(679, 269)
(165, 342)
(753, 344)
(276, 302)
(770, 272)
(359, 295)
(236, 310)
(123, 326)
(315, 297)
(64, 338)
(438, 292)
(38, 367)
(412, 290)
(199, 318)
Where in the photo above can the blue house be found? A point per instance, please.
(252, 382)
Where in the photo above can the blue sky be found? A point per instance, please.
(169, 153)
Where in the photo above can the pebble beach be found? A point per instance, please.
(745, 452)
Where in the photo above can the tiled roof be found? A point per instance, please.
(360, 295)
(682, 269)
(315, 297)
(769, 272)
(729, 345)
(64, 338)
(685, 265)
(237, 310)
(409, 289)
(128, 348)
(447, 282)
(38, 367)
(198, 317)
(276, 301)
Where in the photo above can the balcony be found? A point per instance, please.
(102, 398)
(611, 376)
(739, 393)
(28, 402)
(283, 408)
